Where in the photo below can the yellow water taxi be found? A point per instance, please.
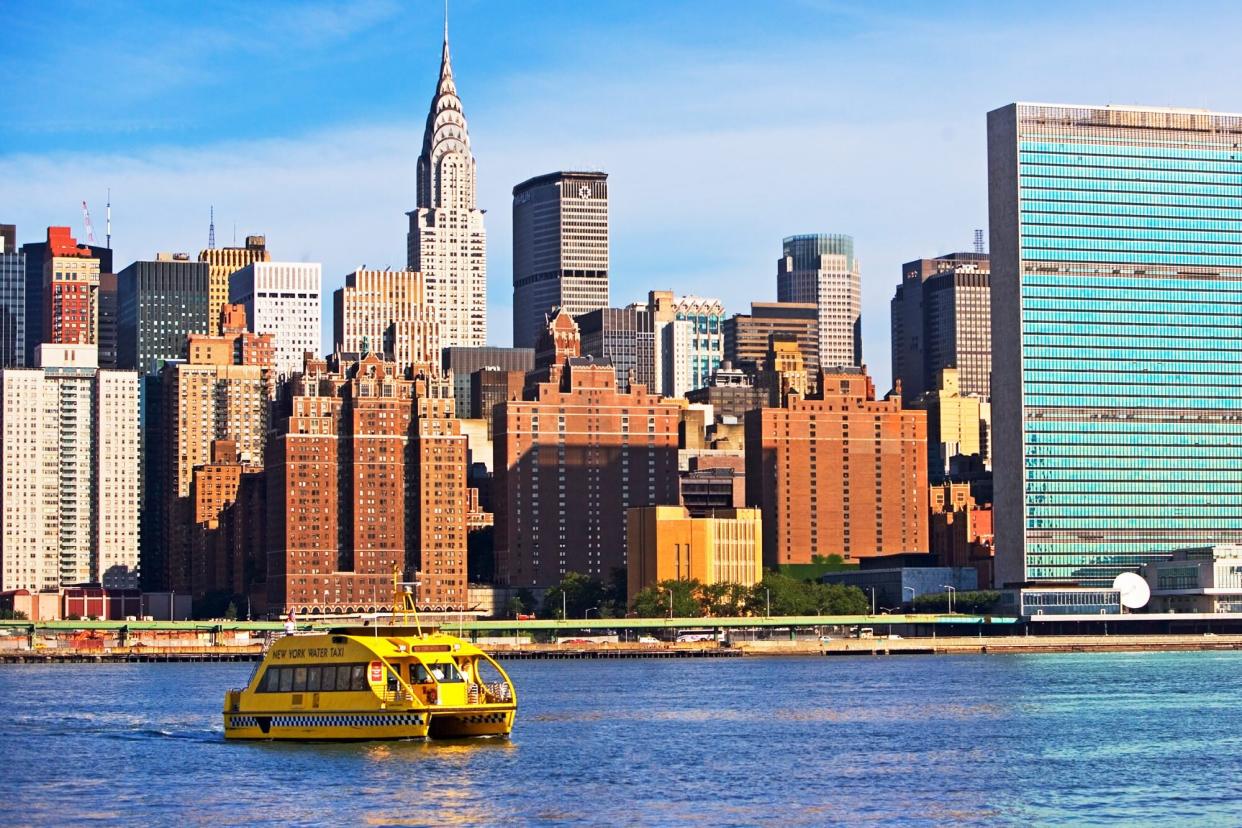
(373, 683)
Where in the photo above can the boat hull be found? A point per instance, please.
(465, 724)
(314, 726)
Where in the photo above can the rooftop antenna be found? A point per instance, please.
(235, 234)
(979, 241)
(211, 230)
(109, 219)
(446, 2)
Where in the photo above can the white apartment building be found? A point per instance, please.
(69, 473)
(283, 299)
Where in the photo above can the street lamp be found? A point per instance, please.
(587, 614)
(768, 593)
(951, 590)
(564, 607)
(913, 594)
(669, 590)
(872, 599)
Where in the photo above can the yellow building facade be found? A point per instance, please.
(222, 263)
(665, 543)
(956, 424)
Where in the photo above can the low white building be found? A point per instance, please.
(1197, 579)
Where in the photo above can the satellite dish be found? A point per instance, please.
(1135, 592)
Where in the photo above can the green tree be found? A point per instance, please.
(725, 599)
(514, 606)
(790, 596)
(839, 599)
(653, 602)
(230, 612)
(829, 560)
(783, 594)
(575, 594)
(972, 602)
(12, 615)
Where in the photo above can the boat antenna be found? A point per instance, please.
(403, 599)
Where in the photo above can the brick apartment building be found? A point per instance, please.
(570, 458)
(366, 473)
(844, 474)
(220, 392)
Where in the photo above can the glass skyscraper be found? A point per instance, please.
(821, 268)
(1116, 242)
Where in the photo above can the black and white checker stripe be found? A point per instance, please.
(335, 720)
(482, 718)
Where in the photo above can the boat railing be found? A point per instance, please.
(398, 696)
(497, 691)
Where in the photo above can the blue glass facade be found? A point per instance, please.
(706, 341)
(1127, 269)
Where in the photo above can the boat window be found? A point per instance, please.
(315, 678)
(445, 671)
(271, 680)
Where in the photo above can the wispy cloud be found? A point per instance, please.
(715, 153)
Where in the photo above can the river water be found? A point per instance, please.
(1091, 739)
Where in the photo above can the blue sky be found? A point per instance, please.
(724, 125)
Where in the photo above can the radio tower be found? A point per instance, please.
(979, 241)
(109, 220)
(211, 230)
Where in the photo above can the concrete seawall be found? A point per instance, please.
(995, 645)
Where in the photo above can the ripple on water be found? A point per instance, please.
(905, 741)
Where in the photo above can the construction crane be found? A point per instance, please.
(86, 218)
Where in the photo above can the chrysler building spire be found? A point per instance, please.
(447, 241)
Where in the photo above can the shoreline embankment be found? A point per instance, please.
(880, 646)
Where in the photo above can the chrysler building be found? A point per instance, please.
(447, 242)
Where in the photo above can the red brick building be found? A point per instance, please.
(226, 544)
(366, 473)
(70, 291)
(844, 474)
(219, 395)
(440, 503)
(571, 458)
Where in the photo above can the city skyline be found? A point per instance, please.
(328, 184)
